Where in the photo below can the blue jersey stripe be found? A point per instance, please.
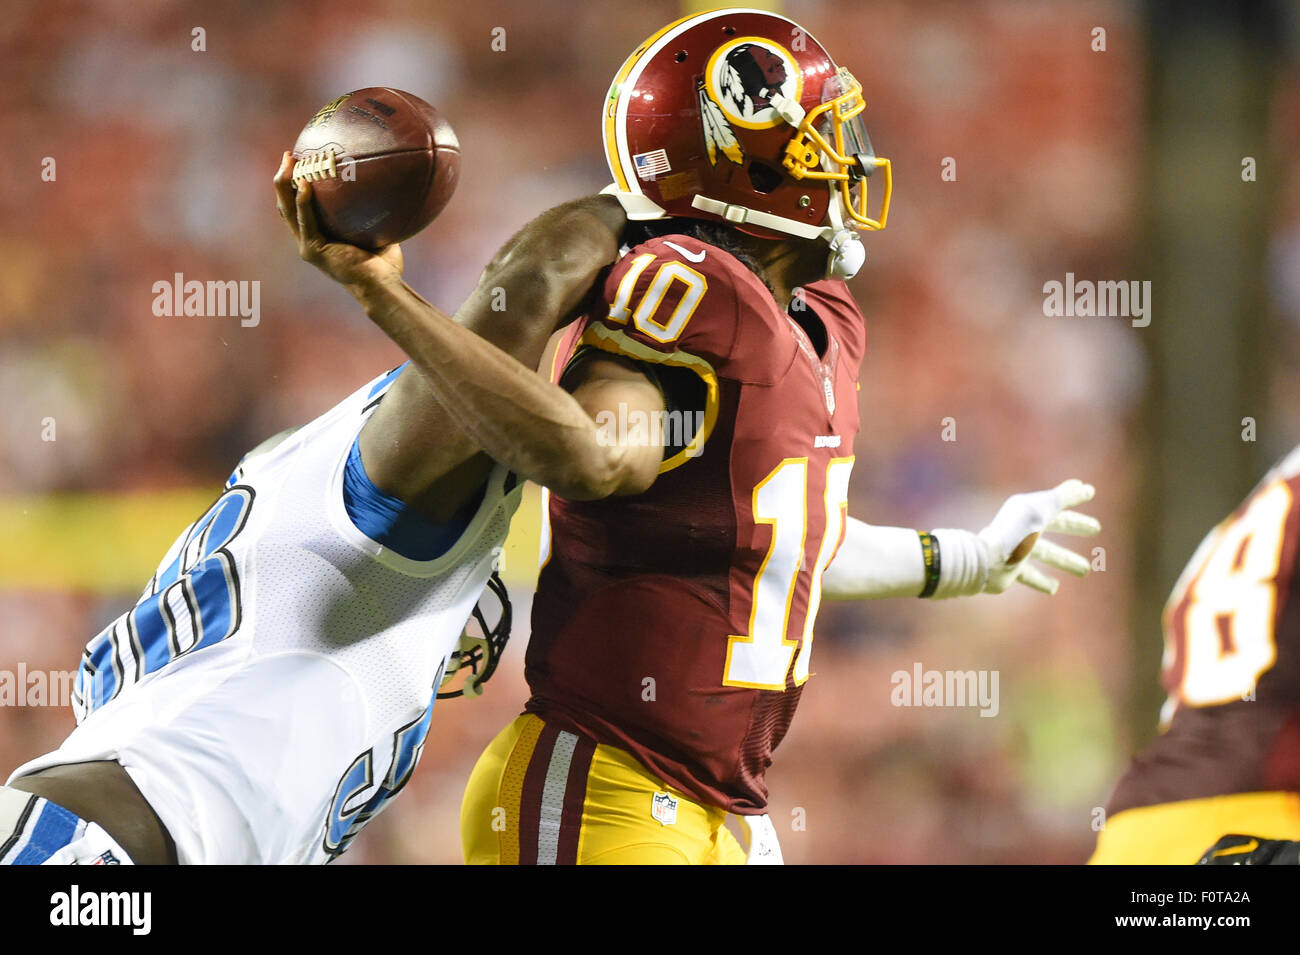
(213, 599)
(390, 521)
(55, 827)
(387, 380)
(101, 687)
(152, 629)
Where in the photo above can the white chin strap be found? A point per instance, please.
(636, 205)
(847, 253)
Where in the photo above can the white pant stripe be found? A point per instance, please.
(557, 779)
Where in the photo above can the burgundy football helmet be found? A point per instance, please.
(741, 116)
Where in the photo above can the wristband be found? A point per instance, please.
(930, 553)
(965, 563)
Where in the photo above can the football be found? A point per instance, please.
(382, 164)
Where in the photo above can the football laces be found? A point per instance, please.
(317, 166)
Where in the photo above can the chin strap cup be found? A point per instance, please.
(846, 256)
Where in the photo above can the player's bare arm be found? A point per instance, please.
(516, 416)
(467, 381)
(608, 384)
(540, 288)
(875, 562)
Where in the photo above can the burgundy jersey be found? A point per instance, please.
(1232, 660)
(677, 624)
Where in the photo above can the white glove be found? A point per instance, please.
(983, 563)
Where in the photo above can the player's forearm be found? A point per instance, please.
(875, 562)
(533, 427)
(535, 282)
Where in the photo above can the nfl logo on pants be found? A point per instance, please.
(663, 806)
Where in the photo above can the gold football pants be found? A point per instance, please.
(1179, 833)
(543, 796)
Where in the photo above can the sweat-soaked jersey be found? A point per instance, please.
(678, 623)
(1232, 660)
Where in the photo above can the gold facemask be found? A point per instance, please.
(832, 131)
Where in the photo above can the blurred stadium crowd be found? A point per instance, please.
(164, 157)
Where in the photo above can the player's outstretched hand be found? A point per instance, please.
(1013, 537)
(348, 264)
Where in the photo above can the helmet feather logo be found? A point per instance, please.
(718, 134)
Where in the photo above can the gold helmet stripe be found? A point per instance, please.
(615, 96)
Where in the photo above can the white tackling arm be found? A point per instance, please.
(875, 562)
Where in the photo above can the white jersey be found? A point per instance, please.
(273, 688)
